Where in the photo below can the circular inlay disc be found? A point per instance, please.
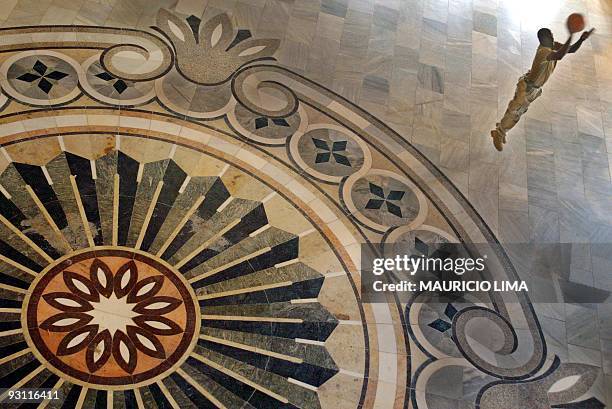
(41, 79)
(331, 152)
(385, 200)
(111, 317)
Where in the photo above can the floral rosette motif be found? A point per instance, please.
(83, 308)
(118, 320)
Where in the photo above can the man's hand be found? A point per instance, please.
(586, 34)
(583, 37)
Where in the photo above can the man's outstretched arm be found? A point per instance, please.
(560, 53)
(573, 48)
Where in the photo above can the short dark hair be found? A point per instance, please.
(544, 34)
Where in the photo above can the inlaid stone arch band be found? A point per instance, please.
(127, 53)
(429, 180)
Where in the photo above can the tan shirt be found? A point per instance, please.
(542, 68)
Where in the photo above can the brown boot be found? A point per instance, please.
(498, 139)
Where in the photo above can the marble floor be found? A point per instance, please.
(186, 187)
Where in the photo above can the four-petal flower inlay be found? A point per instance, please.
(117, 83)
(444, 324)
(45, 76)
(326, 152)
(391, 200)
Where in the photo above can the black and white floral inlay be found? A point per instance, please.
(43, 76)
(326, 153)
(390, 199)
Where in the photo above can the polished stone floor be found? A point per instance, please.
(185, 186)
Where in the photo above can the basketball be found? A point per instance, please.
(575, 22)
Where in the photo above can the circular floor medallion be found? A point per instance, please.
(111, 317)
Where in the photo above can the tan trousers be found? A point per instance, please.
(523, 96)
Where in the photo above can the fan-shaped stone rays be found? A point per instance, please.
(257, 299)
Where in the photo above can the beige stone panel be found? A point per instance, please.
(208, 166)
(315, 252)
(89, 146)
(3, 163)
(188, 159)
(145, 151)
(241, 185)
(346, 347)
(283, 215)
(337, 297)
(340, 392)
(34, 153)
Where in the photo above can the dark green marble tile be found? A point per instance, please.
(106, 167)
(60, 175)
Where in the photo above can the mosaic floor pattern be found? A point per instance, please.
(180, 227)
